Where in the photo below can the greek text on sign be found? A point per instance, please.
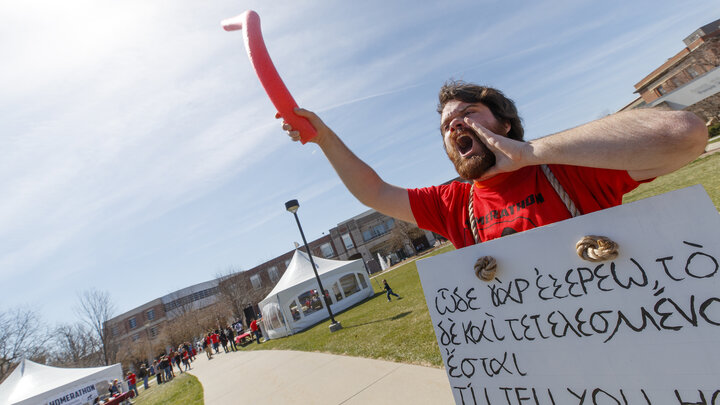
(643, 328)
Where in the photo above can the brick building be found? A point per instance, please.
(690, 80)
(367, 235)
(142, 326)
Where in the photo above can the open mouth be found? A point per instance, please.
(465, 144)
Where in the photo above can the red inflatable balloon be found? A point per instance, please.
(281, 98)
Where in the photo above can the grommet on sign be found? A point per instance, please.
(596, 248)
(485, 268)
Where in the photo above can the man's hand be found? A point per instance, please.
(510, 155)
(360, 179)
(323, 131)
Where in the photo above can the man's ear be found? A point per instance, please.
(506, 127)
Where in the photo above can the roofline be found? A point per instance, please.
(662, 69)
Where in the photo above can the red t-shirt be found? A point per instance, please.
(516, 201)
(215, 338)
(131, 379)
(253, 325)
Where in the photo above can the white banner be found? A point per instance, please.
(552, 328)
(82, 395)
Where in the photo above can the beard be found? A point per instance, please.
(471, 167)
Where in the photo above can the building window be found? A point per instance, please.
(660, 90)
(327, 250)
(136, 337)
(676, 81)
(256, 281)
(693, 72)
(132, 322)
(153, 332)
(150, 314)
(115, 331)
(375, 231)
(273, 273)
(347, 240)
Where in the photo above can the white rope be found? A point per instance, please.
(569, 204)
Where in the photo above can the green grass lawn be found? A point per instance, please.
(184, 389)
(703, 171)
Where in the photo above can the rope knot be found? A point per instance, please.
(596, 248)
(485, 268)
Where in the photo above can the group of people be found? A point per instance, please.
(162, 367)
(224, 337)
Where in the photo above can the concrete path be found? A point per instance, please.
(290, 377)
(712, 147)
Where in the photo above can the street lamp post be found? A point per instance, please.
(293, 206)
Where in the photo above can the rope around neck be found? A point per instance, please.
(486, 267)
(569, 204)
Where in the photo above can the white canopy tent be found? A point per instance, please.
(295, 303)
(37, 384)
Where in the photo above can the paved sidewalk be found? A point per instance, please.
(290, 377)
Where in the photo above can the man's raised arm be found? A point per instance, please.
(362, 181)
(646, 142)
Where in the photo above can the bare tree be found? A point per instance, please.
(237, 291)
(75, 345)
(181, 325)
(21, 335)
(142, 349)
(232, 290)
(402, 235)
(95, 309)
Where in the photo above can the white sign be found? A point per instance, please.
(81, 395)
(552, 328)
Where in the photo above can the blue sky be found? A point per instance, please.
(140, 154)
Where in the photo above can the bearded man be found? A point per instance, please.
(517, 185)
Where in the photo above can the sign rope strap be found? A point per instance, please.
(569, 204)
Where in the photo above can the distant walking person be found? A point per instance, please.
(144, 374)
(131, 379)
(389, 290)
(207, 344)
(230, 333)
(223, 340)
(215, 341)
(255, 330)
(158, 371)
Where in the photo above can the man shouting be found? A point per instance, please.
(517, 185)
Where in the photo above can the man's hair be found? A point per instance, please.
(502, 107)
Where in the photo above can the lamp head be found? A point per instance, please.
(292, 206)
